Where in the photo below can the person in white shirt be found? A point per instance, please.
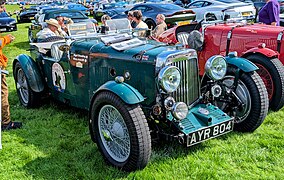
(137, 17)
(53, 29)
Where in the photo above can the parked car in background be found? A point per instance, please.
(26, 15)
(233, 8)
(258, 4)
(172, 12)
(134, 89)
(259, 43)
(7, 23)
(79, 7)
(39, 23)
(110, 9)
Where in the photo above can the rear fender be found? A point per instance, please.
(31, 71)
(261, 50)
(242, 63)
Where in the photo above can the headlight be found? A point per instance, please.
(216, 67)
(180, 110)
(169, 78)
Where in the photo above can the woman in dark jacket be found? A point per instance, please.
(269, 14)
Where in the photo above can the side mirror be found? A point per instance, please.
(64, 48)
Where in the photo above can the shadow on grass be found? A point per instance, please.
(22, 45)
(61, 134)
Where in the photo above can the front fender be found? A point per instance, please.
(261, 50)
(127, 93)
(242, 63)
(31, 71)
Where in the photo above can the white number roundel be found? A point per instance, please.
(58, 77)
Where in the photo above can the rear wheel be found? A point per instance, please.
(27, 96)
(271, 72)
(151, 24)
(121, 132)
(248, 103)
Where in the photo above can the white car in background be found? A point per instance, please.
(232, 8)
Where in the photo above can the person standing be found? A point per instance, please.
(269, 14)
(137, 17)
(161, 26)
(130, 18)
(6, 123)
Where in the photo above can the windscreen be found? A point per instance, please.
(118, 24)
(82, 28)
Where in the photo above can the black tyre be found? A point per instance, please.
(27, 96)
(121, 132)
(253, 96)
(271, 72)
(151, 24)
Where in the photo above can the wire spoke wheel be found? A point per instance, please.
(242, 93)
(121, 132)
(271, 71)
(22, 86)
(27, 96)
(248, 103)
(114, 133)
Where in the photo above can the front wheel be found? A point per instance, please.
(121, 132)
(271, 72)
(27, 96)
(248, 102)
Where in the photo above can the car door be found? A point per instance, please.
(56, 67)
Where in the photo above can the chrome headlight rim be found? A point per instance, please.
(169, 78)
(179, 115)
(216, 67)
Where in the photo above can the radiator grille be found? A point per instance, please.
(188, 90)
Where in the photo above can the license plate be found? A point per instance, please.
(3, 29)
(210, 132)
(183, 23)
(246, 13)
(78, 27)
(32, 18)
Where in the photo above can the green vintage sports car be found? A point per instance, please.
(134, 89)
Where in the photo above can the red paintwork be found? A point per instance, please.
(245, 40)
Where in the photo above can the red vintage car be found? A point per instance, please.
(261, 44)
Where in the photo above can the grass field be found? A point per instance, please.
(54, 143)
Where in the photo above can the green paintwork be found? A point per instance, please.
(31, 71)
(195, 120)
(126, 92)
(242, 63)
(91, 67)
(142, 72)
